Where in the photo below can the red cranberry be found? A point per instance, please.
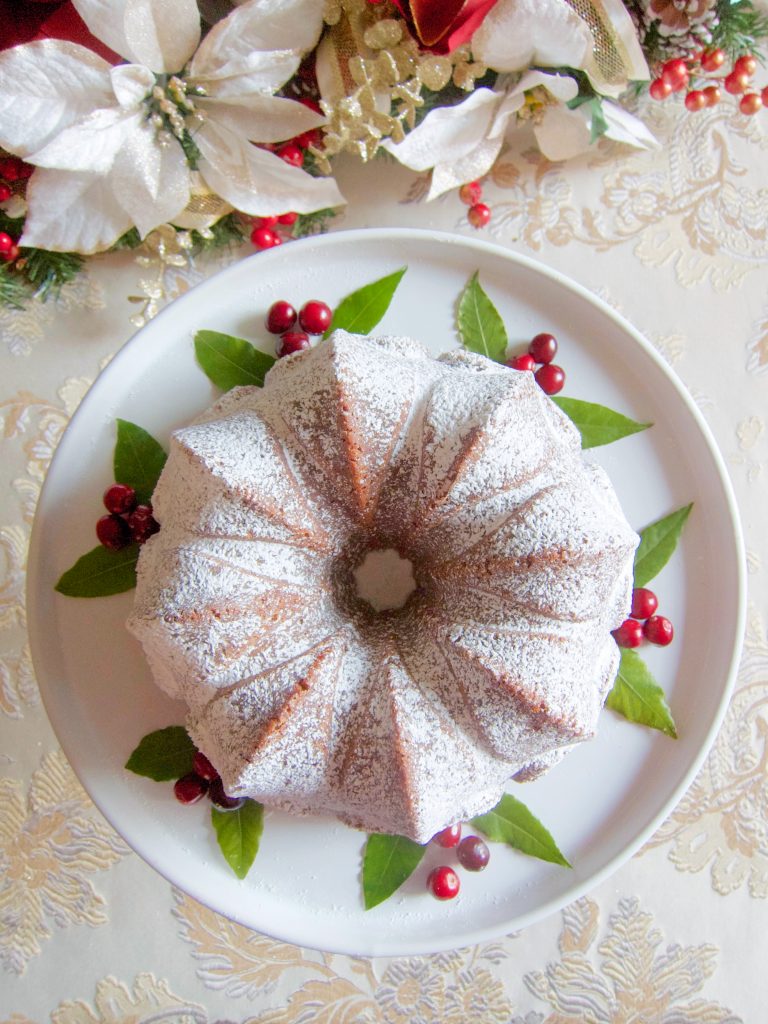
(523, 362)
(695, 100)
(543, 348)
(659, 89)
(220, 798)
(281, 317)
(444, 883)
(264, 238)
(658, 630)
(479, 215)
(5, 192)
(290, 342)
(448, 837)
(203, 767)
(6, 242)
(550, 378)
(190, 788)
(12, 254)
(629, 633)
(289, 219)
(113, 532)
(644, 603)
(675, 73)
(292, 154)
(311, 138)
(471, 193)
(315, 317)
(119, 498)
(473, 853)
(265, 222)
(142, 523)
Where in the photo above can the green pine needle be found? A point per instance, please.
(740, 28)
(313, 223)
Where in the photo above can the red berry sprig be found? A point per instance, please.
(643, 623)
(127, 522)
(542, 349)
(701, 78)
(314, 317)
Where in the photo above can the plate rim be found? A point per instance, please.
(35, 625)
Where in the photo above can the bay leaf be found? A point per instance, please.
(598, 424)
(387, 862)
(638, 697)
(230, 362)
(480, 325)
(512, 823)
(238, 834)
(138, 459)
(101, 572)
(657, 543)
(163, 755)
(361, 310)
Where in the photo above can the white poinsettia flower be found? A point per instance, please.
(116, 146)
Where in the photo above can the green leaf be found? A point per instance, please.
(230, 362)
(101, 572)
(512, 823)
(359, 312)
(163, 755)
(238, 833)
(638, 697)
(480, 325)
(657, 542)
(139, 459)
(598, 123)
(598, 424)
(387, 862)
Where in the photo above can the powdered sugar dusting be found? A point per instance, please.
(400, 720)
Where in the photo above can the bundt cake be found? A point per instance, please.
(314, 695)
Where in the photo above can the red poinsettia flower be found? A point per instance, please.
(443, 25)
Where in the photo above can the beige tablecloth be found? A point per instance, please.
(677, 241)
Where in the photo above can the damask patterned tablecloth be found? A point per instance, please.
(677, 241)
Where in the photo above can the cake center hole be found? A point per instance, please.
(385, 580)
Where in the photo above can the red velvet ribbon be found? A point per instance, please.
(441, 26)
(22, 21)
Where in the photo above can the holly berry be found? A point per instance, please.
(629, 633)
(290, 342)
(550, 378)
(659, 89)
(11, 255)
(736, 83)
(675, 74)
(190, 788)
(265, 222)
(479, 215)
(113, 532)
(473, 853)
(281, 316)
(713, 60)
(264, 238)
(658, 630)
(695, 100)
(203, 767)
(471, 193)
(444, 883)
(6, 243)
(10, 169)
(522, 362)
(712, 95)
(543, 347)
(142, 524)
(315, 317)
(448, 837)
(5, 192)
(764, 96)
(292, 154)
(221, 799)
(644, 603)
(745, 65)
(289, 219)
(119, 499)
(750, 103)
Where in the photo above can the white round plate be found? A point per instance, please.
(600, 803)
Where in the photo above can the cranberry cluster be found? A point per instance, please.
(202, 780)
(11, 169)
(541, 351)
(643, 623)
(265, 233)
(706, 72)
(478, 213)
(314, 317)
(128, 522)
(472, 853)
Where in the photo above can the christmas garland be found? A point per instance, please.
(215, 120)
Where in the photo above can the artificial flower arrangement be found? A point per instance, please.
(209, 119)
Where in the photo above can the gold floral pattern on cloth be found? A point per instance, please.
(691, 206)
(49, 845)
(449, 988)
(635, 980)
(757, 346)
(21, 330)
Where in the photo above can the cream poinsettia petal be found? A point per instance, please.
(46, 86)
(562, 87)
(258, 182)
(518, 33)
(257, 74)
(263, 118)
(151, 182)
(477, 163)
(259, 25)
(624, 127)
(163, 34)
(562, 133)
(72, 212)
(89, 145)
(131, 84)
